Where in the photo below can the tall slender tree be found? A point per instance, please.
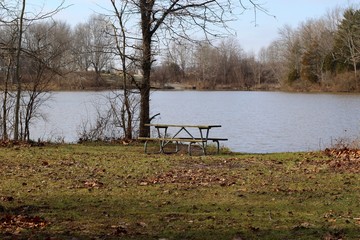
(17, 70)
(126, 58)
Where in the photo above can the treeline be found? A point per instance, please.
(56, 56)
(319, 55)
(206, 66)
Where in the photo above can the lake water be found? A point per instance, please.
(257, 122)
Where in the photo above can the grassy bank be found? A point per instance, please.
(117, 192)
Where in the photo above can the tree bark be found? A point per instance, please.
(144, 131)
(146, 11)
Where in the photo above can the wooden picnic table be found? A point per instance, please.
(183, 134)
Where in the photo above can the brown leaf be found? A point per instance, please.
(7, 199)
(142, 224)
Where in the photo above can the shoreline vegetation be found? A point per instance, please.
(89, 81)
(115, 191)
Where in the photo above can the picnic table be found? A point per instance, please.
(183, 134)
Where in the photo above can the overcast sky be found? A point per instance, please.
(251, 38)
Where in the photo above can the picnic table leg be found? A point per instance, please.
(217, 146)
(176, 147)
(162, 143)
(204, 143)
(189, 149)
(146, 145)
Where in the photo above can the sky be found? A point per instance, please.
(251, 37)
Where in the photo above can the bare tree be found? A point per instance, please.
(161, 20)
(348, 39)
(8, 49)
(230, 53)
(92, 45)
(179, 53)
(127, 57)
(45, 52)
(275, 62)
(14, 16)
(109, 120)
(80, 47)
(206, 63)
(20, 26)
(291, 50)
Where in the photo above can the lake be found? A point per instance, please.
(256, 122)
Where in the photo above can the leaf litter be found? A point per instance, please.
(17, 223)
(296, 178)
(344, 159)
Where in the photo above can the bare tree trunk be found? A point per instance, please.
(5, 101)
(146, 11)
(145, 93)
(126, 113)
(127, 122)
(17, 74)
(144, 111)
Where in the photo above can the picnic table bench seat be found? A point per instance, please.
(172, 139)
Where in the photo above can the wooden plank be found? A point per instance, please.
(207, 139)
(172, 139)
(180, 126)
(183, 139)
(146, 138)
(217, 139)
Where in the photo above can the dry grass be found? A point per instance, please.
(117, 192)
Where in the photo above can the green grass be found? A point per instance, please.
(118, 192)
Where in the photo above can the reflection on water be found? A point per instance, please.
(252, 121)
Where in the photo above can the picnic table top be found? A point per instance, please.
(182, 126)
